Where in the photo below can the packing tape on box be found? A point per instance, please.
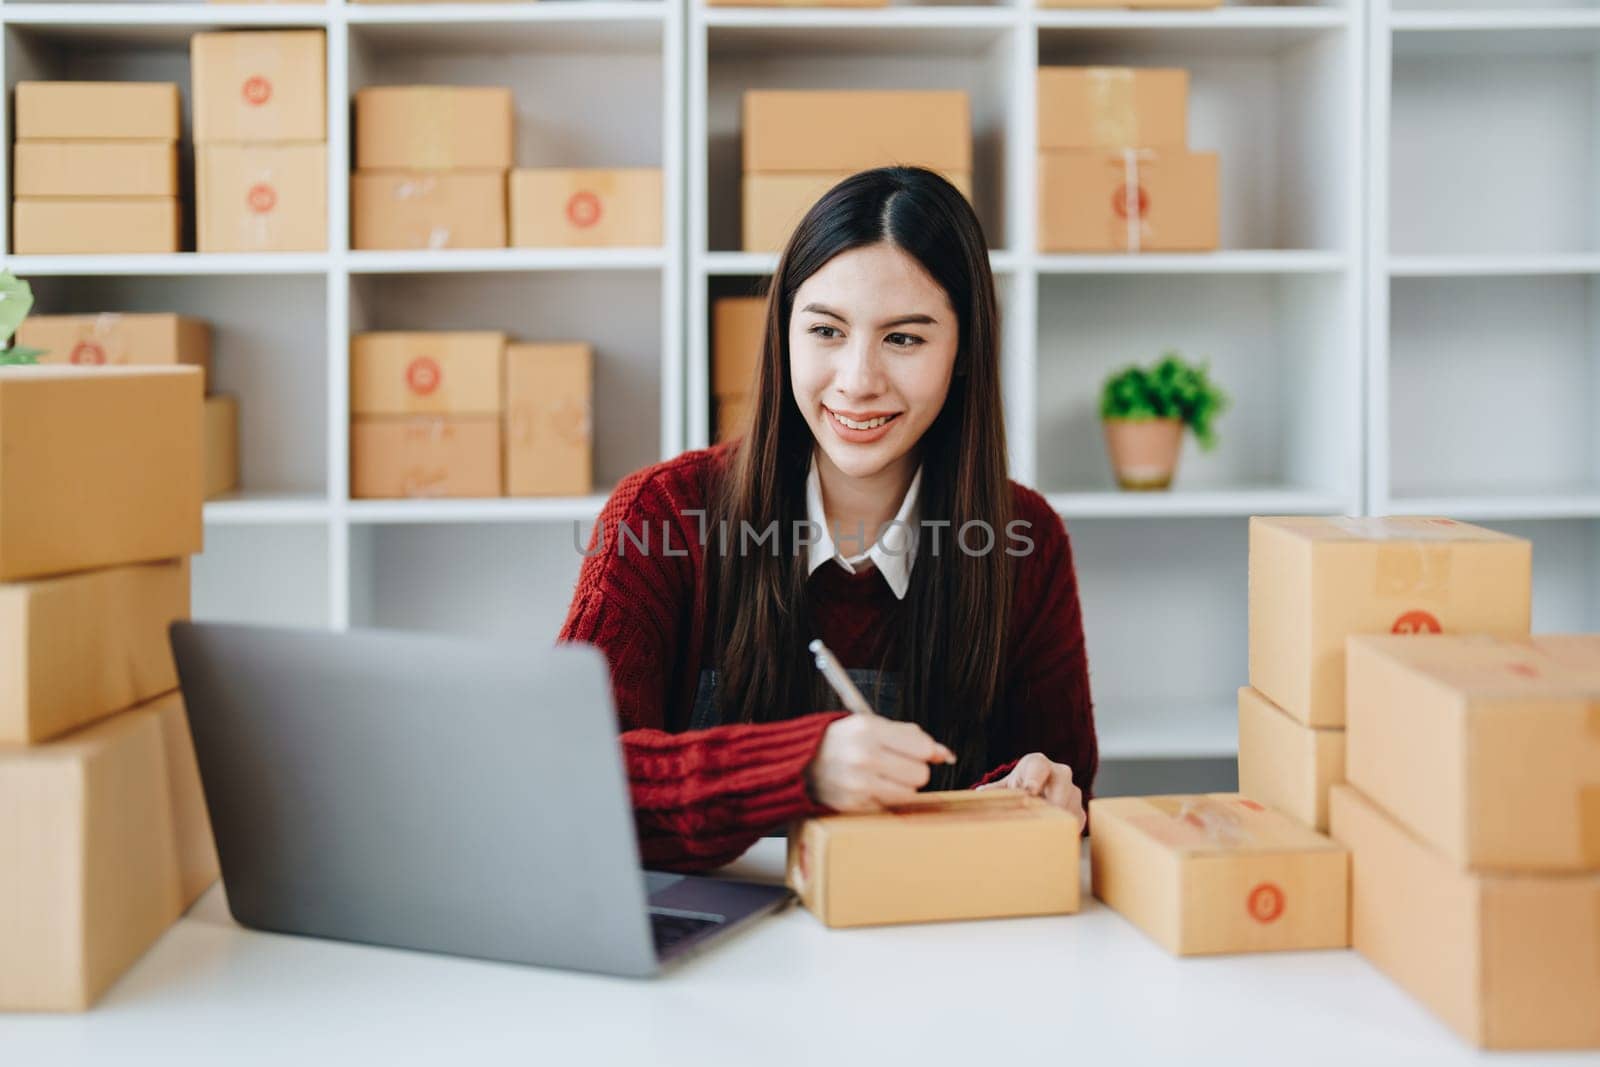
(1113, 116)
(1132, 199)
(1411, 562)
(414, 188)
(1589, 795)
(1187, 821)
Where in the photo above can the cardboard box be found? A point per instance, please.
(88, 867)
(222, 445)
(1507, 961)
(774, 204)
(733, 414)
(1315, 581)
(261, 198)
(434, 127)
(116, 339)
(776, 3)
(1218, 873)
(191, 821)
(96, 168)
(555, 208)
(99, 466)
(935, 858)
(425, 456)
(1487, 748)
(77, 648)
(549, 419)
(426, 373)
(1128, 200)
(456, 209)
(738, 333)
(1188, 5)
(97, 111)
(849, 130)
(88, 226)
(1113, 107)
(1284, 764)
(259, 86)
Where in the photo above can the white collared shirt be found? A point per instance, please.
(892, 553)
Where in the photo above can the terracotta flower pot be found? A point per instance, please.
(1144, 452)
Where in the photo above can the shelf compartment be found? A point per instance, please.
(275, 576)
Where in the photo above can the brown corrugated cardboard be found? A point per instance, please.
(77, 648)
(1218, 873)
(434, 127)
(1128, 200)
(738, 330)
(98, 466)
(1284, 764)
(1137, 4)
(549, 420)
(849, 130)
(115, 338)
(191, 822)
(96, 168)
(222, 445)
(90, 225)
(1113, 107)
(778, 3)
(775, 203)
(1488, 748)
(1507, 961)
(259, 86)
(733, 416)
(261, 198)
(97, 111)
(1315, 581)
(426, 373)
(88, 867)
(556, 208)
(934, 859)
(428, 209)
(425, 456)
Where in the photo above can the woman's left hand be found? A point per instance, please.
(1035, 773)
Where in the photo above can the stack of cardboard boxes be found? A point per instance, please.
(738, 331)
(800, 143)
(431, 164)
(468, 415)
(1473, 819)
(106, 836)
(1314, 582)
(1115, 172)
(260, 132)
(115, 339)
(96, 168)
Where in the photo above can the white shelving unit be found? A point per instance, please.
(597, 84)
(1483, 250)
(1404, 307)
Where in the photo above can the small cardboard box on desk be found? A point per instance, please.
(941, 856)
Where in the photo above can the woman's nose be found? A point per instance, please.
(860, 371)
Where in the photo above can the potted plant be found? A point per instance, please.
(1145, 410)
(16, 300)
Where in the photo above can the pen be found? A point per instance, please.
(829, 666)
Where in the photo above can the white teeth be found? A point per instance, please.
(870, 424)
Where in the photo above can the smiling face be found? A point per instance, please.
(872, 348)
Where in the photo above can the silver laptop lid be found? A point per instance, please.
(425, 792)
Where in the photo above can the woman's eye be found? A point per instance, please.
(824, 331)
(904, 340)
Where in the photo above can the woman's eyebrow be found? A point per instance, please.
(904, 320)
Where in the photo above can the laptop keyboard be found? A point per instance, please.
(669, 930)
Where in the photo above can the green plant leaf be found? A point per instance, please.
(1171, 388)
(23, 357)
(16, 300)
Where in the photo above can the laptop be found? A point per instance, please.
(435, 793)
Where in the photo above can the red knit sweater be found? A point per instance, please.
(702, 797)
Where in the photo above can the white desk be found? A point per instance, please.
(1050, 992)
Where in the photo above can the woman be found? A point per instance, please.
(867, 505)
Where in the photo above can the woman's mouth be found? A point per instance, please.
(860, 428)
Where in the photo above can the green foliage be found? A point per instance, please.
(1173, 388)
(16, 300)
(20, 357)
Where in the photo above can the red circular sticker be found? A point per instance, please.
(89, 353)
(583, 210)
(1416, 622)
(423, 375)
(262, 198)
(1119, 201)
(1265, 903)
(257, 90)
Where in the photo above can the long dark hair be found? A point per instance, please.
(948, 635)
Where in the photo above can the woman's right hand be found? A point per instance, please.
(866, 762)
